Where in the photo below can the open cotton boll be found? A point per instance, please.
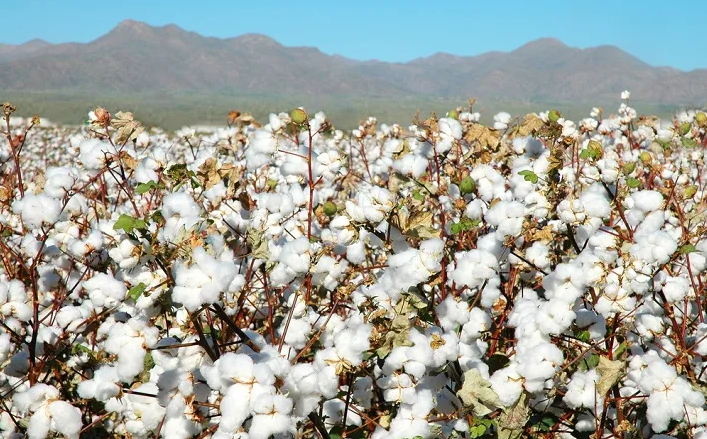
(507, 217)
(668, 394)
(103, 385)
(653, 248)
(260, 149)
(473, 268)
(49, 413)
(645, 200)
(581, 391)
(501, 120)
(293, 261)
(66, 419)
(271, 416)
(37, 210)
(203, 282)
(94, 153)
(59, 181)
(104, 290)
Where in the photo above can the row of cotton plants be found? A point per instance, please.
(539, 277)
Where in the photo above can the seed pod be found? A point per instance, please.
(701, 119)
(554, 116)
(299, 116)
(453, 114)
(330, 208)
(646, 158)
(628, 168)
(467, 185)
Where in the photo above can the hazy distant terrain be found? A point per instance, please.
(168, 71)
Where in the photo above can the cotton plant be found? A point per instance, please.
(283, 278)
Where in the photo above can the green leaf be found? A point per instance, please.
(336, 432)
(633, 182)
(688, 143)
(146, 187)
(589, 363)
(529, 176)
(128, 223)
(688, 248)
(476, 394)
(584, 336)
(418, 195)
(136, 291)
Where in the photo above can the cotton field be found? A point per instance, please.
(538, 277)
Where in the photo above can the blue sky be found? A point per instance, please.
(658, 32)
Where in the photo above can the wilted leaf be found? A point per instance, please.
(511, 422)
(128, 128)
(258, 244)
(476, 394)
(611, 372)
(483, 135)
(531, 124)
(398, 335)
(208, 173)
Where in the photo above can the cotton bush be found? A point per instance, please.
(541, 277)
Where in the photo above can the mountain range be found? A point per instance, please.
(135, 57)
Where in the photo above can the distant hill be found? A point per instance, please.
(136, 57)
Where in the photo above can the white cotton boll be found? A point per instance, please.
(275, 122)
(507, 217)
(235, 409)
(356, 253)
(66, 419)
(478, 322)
(271, 416)
(507, 384)
(595, 205)
(260, 149)
(581, 390)
(39, 425)
(472, 268)
(104, 290)
(701, 339)
(145, 170)
(554, 317)
(297, 332)
(94, 153)
(102, 386)
(59, 182)
(6, 346)
(538, 254)
(294, 261)
(180, 204)
(501, 120)
(653, 248)
(363, 391)
(646, 200)
(676, 288)
(452, 313)
(37, 210)
(474, 209)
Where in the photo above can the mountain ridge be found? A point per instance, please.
(138, 57)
